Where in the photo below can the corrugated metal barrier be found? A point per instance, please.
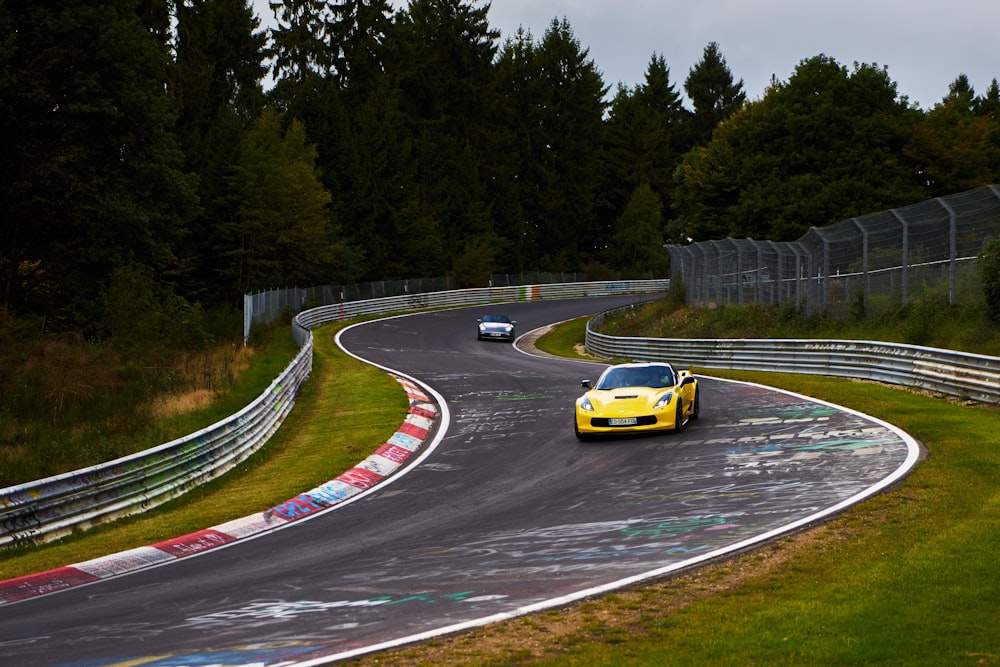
(53, 507)
(972, 376)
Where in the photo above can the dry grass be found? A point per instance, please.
(214, 368)
(204, 373)
(66, 371)
(68, 403)
(181, 404)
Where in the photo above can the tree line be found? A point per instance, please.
(162, 157)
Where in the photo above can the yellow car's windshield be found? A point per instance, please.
(654, 376)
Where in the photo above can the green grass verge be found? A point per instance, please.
(323, 436)
(565, 340)
(906, 578)
(927, 320)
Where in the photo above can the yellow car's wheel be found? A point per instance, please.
(679, 418)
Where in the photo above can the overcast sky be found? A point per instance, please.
(926, 44)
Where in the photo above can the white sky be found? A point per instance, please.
(925, 44)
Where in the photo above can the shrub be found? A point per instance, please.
(989, 268)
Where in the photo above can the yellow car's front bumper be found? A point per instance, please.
(605, 423)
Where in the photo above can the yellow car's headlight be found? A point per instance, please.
(664, 400)
(585, 404)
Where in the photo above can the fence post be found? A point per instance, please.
(796, 248)
(823, 256)
(247, 318)
(952, 248)
(864, 262)
(906, 253)
(823, 274)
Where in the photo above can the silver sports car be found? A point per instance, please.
(496, 327)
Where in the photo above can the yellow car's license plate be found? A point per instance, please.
(622, 421)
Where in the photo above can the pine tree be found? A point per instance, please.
(646, 135)
(442, 63)
(563, 211)
(358, 33)
(300, 47)
(216, 80)
(219, 65)
(954, 146)
(714, 94)
(92, 175)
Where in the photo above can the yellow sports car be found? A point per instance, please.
(637, 398)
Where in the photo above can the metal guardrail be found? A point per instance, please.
(314, 317)
(54, 507)
(966, 375)
(269, 305)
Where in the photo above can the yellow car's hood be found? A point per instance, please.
(625, 401)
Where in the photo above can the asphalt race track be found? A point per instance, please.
(504, 513)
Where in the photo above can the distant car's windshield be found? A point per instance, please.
(503, 319)
(637, 376)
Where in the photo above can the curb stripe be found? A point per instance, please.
(386, 460)
(43, 583)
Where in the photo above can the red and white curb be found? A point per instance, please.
(381, 464)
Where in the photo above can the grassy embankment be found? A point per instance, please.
(323, 436)
(908, 577)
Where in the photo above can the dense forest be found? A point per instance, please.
(164, 157)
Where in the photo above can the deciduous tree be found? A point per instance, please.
(954, 146)
(820, 148)
(639, 235)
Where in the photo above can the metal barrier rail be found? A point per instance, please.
(314, 317)
(54, 507)
(966, 375)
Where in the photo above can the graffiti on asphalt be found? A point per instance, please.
(289, 610)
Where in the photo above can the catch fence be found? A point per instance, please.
(867, 264)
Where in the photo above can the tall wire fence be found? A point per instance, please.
(875, 262)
